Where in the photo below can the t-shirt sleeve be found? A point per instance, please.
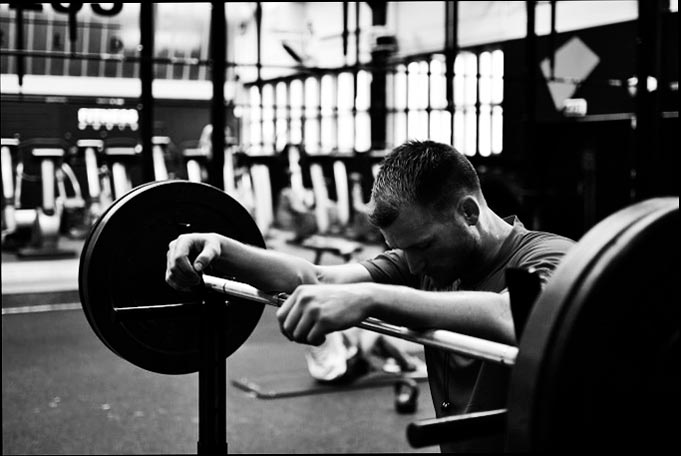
(544, 254)
(390, 267)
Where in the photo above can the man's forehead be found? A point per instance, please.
(411, 227)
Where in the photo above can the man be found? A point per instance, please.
(445, 270)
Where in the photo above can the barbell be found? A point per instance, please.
(605, 328)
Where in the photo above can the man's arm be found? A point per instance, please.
(476, 313)
(312, 312)
(190, 254)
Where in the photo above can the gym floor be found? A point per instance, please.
(65, 392)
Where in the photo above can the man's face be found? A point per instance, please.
(438, 246)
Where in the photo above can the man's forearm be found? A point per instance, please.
(265, 269)
(476, 313)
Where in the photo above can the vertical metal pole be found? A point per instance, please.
(345, 33)
(531, 81)
(146, 104)
(552, 40)
(451, 50)
(379, 60)
(651, 171)
(258, 30)
(258, 67)
(218, 26)
(20, 43)
(212, 379)
(355, 75)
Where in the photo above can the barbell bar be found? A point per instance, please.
(458, 343)
(447, 340)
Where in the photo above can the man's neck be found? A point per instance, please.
(493, 231)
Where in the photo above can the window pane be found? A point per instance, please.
(469, 122)
(346, 134)
(255, 135)
(312, 135)
(329, 134)
(471, 69)
(400, 88)
(281, 137)
(328, 94)
(440, 126)
(296, 102)
(485, 131)
(296, 93)
(311, 97)
(485, 89)
(345, 91)
(418, 125)
(497, 129)
(363, 129)
(390, 130)
(268, 135)
(296, 130)
(255, 102)
(498, 63)
(281, 95)
(424, 82)
(268, 116)
(459, 130)
(400, 128)
(363, 90)
(390, 90)
(418, 85)
(438, 84)
(255, 116)
(459, 80)
(485, 64)
(267, 95)
(282, 134)
(497, 76)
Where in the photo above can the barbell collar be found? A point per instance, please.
(446, 340)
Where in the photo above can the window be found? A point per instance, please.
(321, 112)
(417, 102)
(330, 112)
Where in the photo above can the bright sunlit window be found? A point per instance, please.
(330, 113)
(417, 102)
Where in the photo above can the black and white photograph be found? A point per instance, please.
(340, 227)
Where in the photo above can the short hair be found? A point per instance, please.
(431, 174)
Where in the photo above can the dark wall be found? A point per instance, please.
(573, 172)
(34, 116)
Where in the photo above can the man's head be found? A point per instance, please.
(427, 201)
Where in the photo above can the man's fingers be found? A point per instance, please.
(183, 273)
(302, 328)
(288, 315)
(283, 311)
(211, 249)
(316, 335)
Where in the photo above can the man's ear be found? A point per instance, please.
(470, 209)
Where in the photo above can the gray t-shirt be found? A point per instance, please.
(469, 385)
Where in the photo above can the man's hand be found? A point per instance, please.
(188, 256)
(312, 311)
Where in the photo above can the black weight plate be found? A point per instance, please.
(598, 365)
(123, 265)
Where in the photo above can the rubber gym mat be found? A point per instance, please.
(301, 383)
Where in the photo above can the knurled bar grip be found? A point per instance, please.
(458, 343)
